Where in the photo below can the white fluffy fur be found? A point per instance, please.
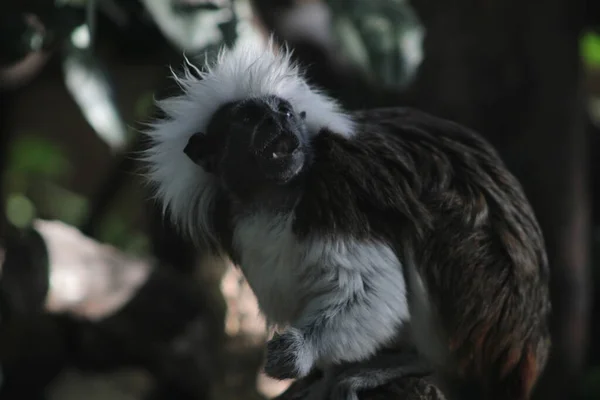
(251, 69)
(359, 286)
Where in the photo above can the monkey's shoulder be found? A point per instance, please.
(405, 170)
(353, 184)
(418, 130)
(384, 174)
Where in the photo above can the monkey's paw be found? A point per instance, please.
(288, 356)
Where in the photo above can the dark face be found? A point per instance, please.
(252, 143)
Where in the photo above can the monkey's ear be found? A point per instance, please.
(201, 151)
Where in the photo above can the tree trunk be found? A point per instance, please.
(511, 70)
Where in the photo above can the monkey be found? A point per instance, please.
(355, 229)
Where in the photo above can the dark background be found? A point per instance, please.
(524, 74)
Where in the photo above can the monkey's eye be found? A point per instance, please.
(285, 110)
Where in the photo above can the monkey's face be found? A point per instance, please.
(251, 143)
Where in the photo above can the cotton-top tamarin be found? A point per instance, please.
(352, 227)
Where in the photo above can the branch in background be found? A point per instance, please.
(115, 310)
(119, 173)
(409, 388)
(54, 268)
(90, 280)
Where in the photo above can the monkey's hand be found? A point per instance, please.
(285, 353)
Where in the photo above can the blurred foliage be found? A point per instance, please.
(117, 231)
(20, 210)
(33, 162)
(60, 203)
(35, 155)
(590, 49)
(382, 36)
(37, 172)
(36, 184)
(119, 227)
(143, 107)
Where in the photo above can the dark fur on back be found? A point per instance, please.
(443, 196)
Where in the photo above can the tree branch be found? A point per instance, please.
(114, 310)
(409, 388)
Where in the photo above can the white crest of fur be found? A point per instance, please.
(251, 69)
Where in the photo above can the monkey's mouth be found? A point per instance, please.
(282, 158)
(282, 147)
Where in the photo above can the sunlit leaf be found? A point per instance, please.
(383, 37)
(88, 83)
(193, 29)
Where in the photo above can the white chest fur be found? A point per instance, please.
(269, 258)
(285, 274)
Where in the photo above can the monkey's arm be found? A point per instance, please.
(360, 310)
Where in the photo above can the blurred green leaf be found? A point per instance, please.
(20, 211)
(113, 230)
(117, 231)
(35, 155)
(61, 203)
(590, 49)
(144, 105)
(88, 82)
(138, 244)
(383, 37)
